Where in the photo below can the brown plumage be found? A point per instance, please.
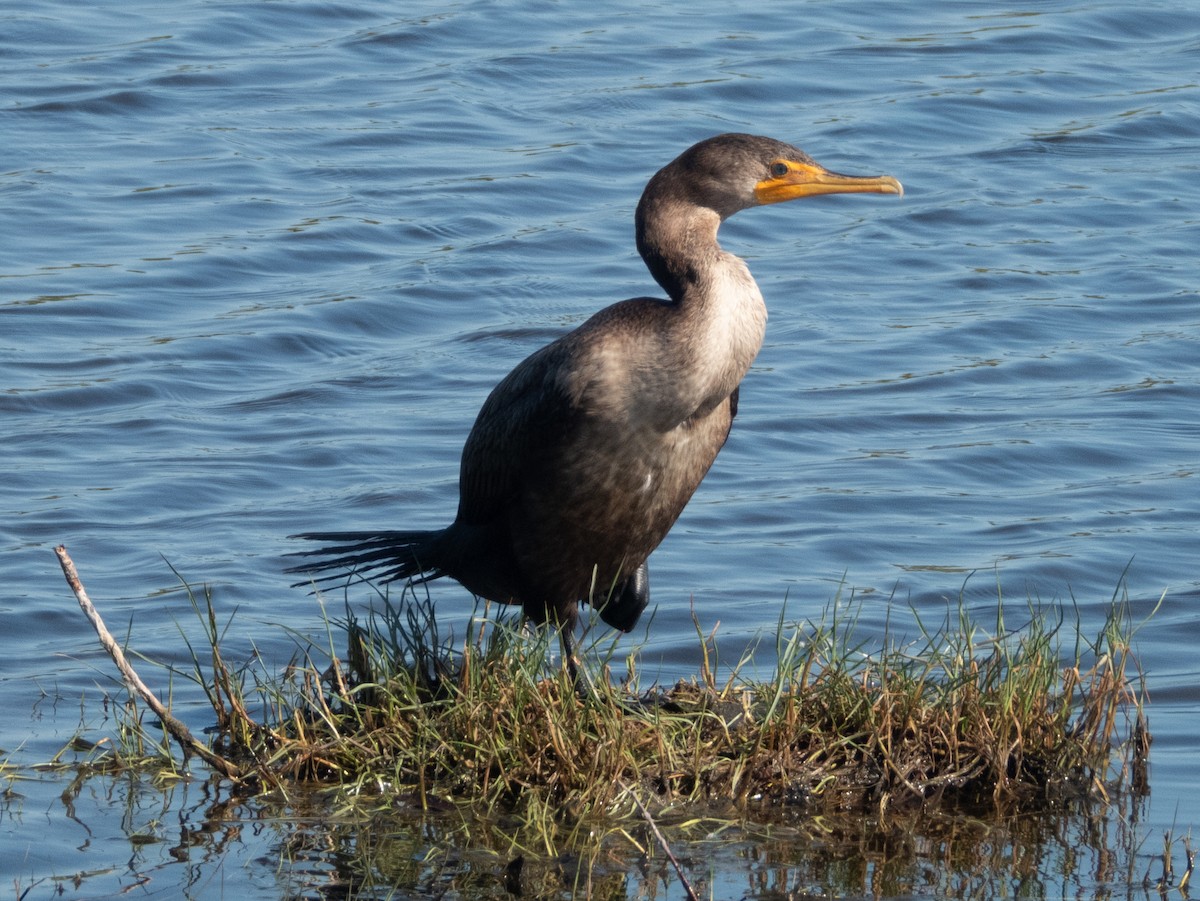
(583, 457)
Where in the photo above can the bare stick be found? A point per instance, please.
(134, 683)
(662, 841)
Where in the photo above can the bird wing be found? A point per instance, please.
(528, 411)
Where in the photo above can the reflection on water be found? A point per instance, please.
(196, 836)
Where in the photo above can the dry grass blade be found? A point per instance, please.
(662, 843)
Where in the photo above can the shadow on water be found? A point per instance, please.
(186, 837)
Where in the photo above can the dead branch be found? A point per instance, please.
(133, 682)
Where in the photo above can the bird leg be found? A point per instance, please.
(567, 637)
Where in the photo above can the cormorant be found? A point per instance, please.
(583, 457)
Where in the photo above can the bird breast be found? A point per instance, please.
(729, 321)
(657, 365)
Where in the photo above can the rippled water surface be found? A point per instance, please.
(261, 262)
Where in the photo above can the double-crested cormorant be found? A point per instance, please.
(583, 457)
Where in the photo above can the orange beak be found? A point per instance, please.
(811, 179)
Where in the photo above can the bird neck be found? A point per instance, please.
(720, 314)
(678, 242)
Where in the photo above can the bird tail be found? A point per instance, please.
(384, 555)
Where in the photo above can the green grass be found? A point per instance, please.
(390, 712)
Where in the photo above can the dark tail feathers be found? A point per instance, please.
(386, 556)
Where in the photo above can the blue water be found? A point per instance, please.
(261, 262)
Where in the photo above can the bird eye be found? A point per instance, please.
(779, 170)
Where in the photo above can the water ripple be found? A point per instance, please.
(264, 261)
